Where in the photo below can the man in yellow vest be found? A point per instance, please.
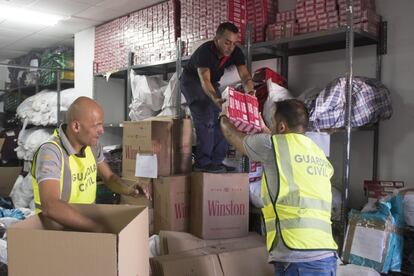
(64, 169)
(296, 191)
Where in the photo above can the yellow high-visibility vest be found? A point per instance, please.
(300, 212)
(82, 185)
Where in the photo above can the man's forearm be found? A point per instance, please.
(232, 134)
(208, 88)
(248, 84)
(116, 185)
(64, 214)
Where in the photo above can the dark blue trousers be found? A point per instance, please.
(211, 144)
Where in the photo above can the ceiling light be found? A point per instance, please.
(26, 16)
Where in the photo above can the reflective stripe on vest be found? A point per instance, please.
(303, 203)
(36, 194)
(81, 188)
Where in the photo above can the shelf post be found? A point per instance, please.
(58, 87)
(348, 106)
(381, 50)
(128, 97)
(178, 64)
(249, 47)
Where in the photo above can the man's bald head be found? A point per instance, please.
(84, 123)
(81, 108)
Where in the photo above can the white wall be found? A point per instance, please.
(397, 134)
(84, 55)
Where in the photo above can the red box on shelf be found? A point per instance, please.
(312, 18)
(377, 189)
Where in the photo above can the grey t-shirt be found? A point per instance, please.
(49, 159)
(259, 147)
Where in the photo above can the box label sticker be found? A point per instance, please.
(146, 166)
(369, 243)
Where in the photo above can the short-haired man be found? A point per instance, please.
(296, 191)
(199, 85)
(64, 169)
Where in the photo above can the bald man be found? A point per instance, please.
(64, 169)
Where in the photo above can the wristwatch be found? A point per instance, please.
(222, 115)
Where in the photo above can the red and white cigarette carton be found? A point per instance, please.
(236, 110)
(242, 110)
(253, 113)
(243, 117)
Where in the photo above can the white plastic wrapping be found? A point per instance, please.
(29, 141)
(148, 96)
(408, 204)
(355, 270)
(3, 251)
(277, 93)
(41, 109)
(22, 192)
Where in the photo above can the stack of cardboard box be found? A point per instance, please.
(365, 16)
(317, 15)
(168, 140)
(150, 33)
(200, 19)
(285, 26)
(259, 14)
(185, 254)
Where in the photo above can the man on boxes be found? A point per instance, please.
(296, 191)
(199, 85)
(64, 169)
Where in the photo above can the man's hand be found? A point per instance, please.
(136, 190)
(224, 108)
(263, 126)
(218, 101)
(252, 92)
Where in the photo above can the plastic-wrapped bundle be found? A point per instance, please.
(22, 192)
(374, 238)
(29, 141)
(41, 109)
(170, 99)
(148, 96)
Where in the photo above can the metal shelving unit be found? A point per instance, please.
(34, 89)
(347, 38)
(156, 68)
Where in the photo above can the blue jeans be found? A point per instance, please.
(211, 144)
(324, 267)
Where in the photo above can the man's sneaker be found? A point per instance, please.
(210, 168)
(228, 168)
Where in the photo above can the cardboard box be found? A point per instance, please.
(47, 250)
(172, 242)
(172, 203)
(219, 205)
(378, 188)
(168, 138)
(8, 176)
(242, 257)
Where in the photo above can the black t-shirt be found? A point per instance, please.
(207, 56)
